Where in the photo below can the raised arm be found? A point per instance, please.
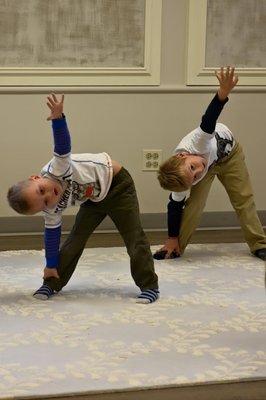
(227, 79)
(62, 141)
(57, 168)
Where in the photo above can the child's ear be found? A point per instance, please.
(34, 177)
(181, 155)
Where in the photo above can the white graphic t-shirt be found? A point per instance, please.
(83, 176)
(213, 147)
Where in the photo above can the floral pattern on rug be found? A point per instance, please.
(209, 324)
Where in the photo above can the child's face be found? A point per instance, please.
(194, 166)
(42, 193)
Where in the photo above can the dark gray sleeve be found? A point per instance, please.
(174, 216)
(212, 113)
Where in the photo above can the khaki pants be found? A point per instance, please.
(233, 174)
(121, 204)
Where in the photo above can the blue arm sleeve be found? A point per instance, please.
(174, 216)
(212, 113)
(52, 242)
(62, 140)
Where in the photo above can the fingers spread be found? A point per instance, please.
(51, 101)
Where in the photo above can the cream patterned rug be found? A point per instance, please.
(208, 326)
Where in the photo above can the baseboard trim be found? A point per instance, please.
(244, 390)
(150, 221)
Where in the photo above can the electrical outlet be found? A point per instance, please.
(151, 159)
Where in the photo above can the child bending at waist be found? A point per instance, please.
(101, 186)
(208, 151)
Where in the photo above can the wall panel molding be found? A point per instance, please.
(216, 32)
(117, 46)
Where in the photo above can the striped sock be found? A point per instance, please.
(148, 296)
(44, 292)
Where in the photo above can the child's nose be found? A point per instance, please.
(197, 173)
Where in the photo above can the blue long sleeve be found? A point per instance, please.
(62, 140)
(52, 242)
(62, 147)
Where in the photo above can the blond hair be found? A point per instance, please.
(16, 197)
(172, 175)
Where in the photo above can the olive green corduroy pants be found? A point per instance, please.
(121, 204)
(233, 174)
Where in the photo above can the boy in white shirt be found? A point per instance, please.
(102, 187)
(208, 151)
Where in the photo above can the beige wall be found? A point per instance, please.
(123, 124)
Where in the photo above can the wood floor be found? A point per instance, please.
(249, 390)
(35, 242)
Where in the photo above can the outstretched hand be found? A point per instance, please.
(56, 106)
(227, 79)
